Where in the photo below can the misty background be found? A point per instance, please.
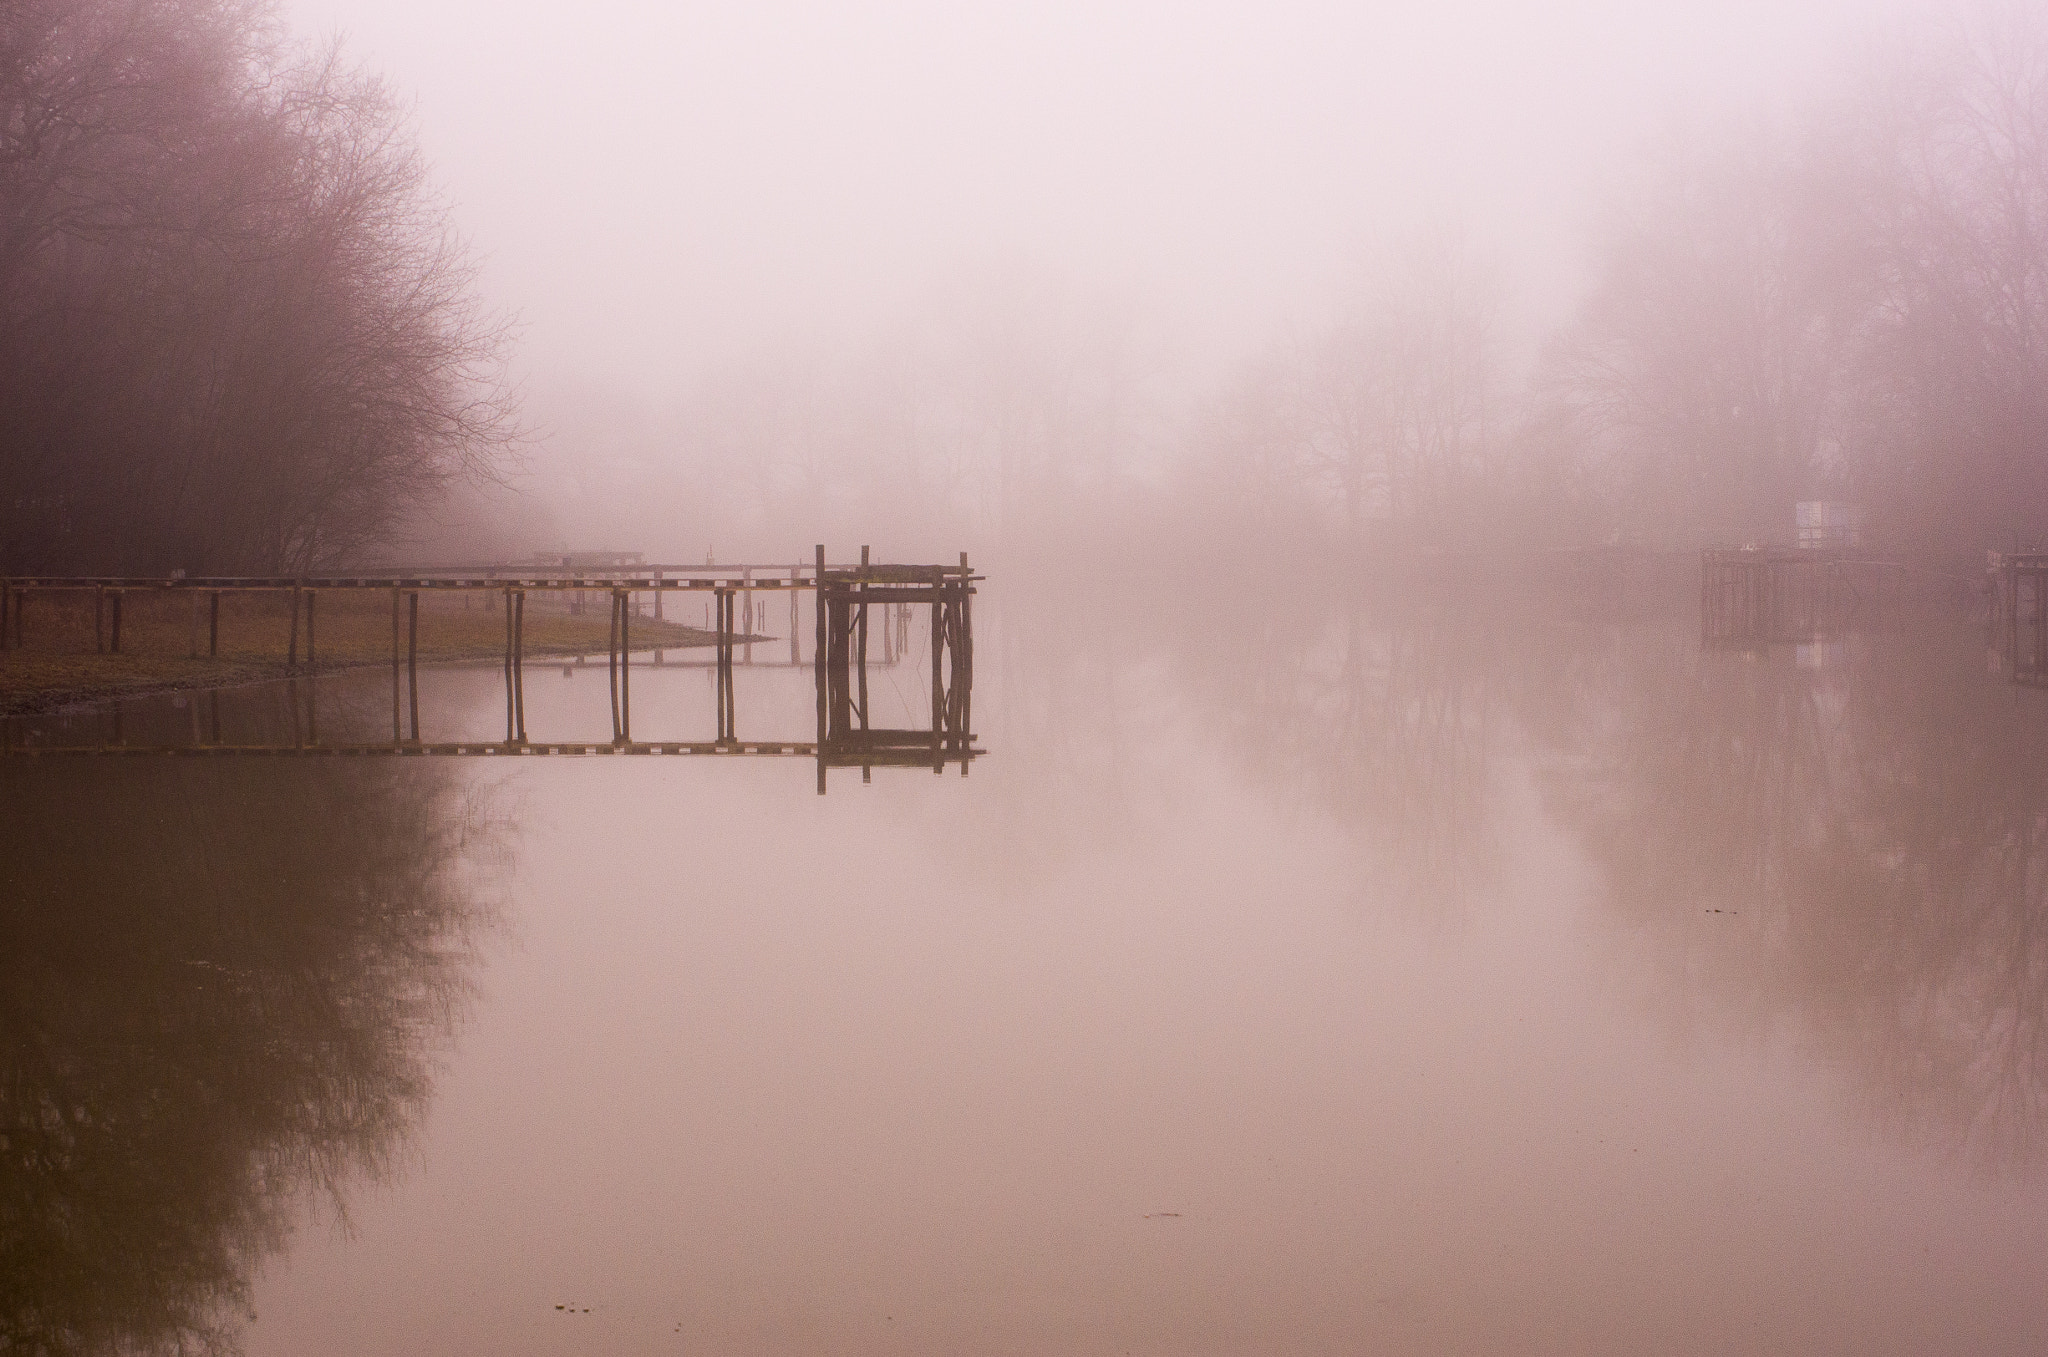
(1193, 280)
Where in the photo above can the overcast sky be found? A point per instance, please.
(657, 184)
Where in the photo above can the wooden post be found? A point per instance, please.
(397, 722)
(6, 611)
(938, 680)
(519, 662)
(861, 649)
(213, 624)
(311, 595)
(964, 645)
(412, 660)
(99, 603)
(818, 661)
(611, 656)
(627, 603)
(723, 609)
(291, 654)
(508, 662)
(119, 594)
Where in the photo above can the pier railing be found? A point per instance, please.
(844, 596)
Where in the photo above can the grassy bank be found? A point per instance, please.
(164, 640)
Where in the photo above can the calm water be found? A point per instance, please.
(1290, 978)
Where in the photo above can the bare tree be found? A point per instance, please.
(238, 332)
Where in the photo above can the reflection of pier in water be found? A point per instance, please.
(1760, 596)
(844, 596)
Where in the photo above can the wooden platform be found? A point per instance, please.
(845, 594)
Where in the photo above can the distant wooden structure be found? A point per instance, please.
(844, 596)
(1755, 596)
(2019, 613)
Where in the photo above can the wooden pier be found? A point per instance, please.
(1759, 596)
(2019, 613)
(844, 598)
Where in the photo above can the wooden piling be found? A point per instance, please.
(965, 648)
(611, 663)
(861, 647)
(397, 723)
(519, 663)
(818, 662)
(291, 654)
(412, 660)
(99, 604)
(938, 648)
(626, 605)
(311, 596)
(118, 596)
(213, 625)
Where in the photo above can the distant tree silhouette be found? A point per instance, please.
(236, 331)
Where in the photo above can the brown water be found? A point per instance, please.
(1355, 979)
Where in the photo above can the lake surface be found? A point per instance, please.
(1292, 976)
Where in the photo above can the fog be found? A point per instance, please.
(1440, 766)
(658, 186)
(668, 195)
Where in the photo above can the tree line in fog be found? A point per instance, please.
(1849, 303)
(1844, 302)
(236, 331)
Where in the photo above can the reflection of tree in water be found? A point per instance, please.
(223, 984)
(1384, 720)
(1876, 838)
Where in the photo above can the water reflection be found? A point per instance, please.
(224, 986)
(1851, 835)
(1861, 845)
(1386, 723)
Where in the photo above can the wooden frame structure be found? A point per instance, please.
(844, 596)
(2019, 614)
(1751, 596)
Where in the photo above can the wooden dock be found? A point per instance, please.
(2019, 613)
(1761, 596)
(844, 598)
